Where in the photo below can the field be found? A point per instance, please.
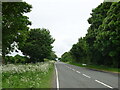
(37, 75)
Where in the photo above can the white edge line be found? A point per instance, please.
(86, 76)
(104, 84)
(57, 78)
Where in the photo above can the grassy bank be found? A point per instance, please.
(37, 75)
(96, 67)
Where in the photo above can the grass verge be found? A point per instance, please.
(96, 67)
(37, 75)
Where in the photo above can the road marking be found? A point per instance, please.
(57, 78)
(104, 84)
(78, 72)
(73, 69)
(69, 68)
(86, 75)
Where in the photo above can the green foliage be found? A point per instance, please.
(59, 58)
(101, 45)
(66, 57)
(38, 45)
(108, 38)
(98, 15)
(14, 24)
(34, 43)
(52, 56)
(16, 59)
(37, 75)
(78, 51)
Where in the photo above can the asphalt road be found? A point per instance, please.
(70, 76)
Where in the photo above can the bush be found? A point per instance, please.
(16, 59)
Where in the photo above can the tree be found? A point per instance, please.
(52, 56)
(96, 19)
(38, 45)
(16, 59)
(14, 24)
(108, 38)
(78, 51)
(101, 45)
(66, 57)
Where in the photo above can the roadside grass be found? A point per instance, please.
(97, 67)
(37, 75)
(0, 78)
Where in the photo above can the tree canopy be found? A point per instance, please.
(35, 44)
(101, 45)
(38, 44)
(14, 24)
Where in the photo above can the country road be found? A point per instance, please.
(70, 76)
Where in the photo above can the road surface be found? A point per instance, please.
(70, 76)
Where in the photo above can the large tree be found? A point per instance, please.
(78, 51)
(14, 24)
(101, 45)
(97, 16)
(38, 45)
(67, 57)
(52, 56)
(108, 38)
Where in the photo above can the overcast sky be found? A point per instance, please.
(66, 20)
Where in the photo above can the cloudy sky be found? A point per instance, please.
(66, 20)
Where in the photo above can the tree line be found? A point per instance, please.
(35, 44)
(101, 45)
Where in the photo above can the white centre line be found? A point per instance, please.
(78, 72)
(57, 78)
(86, 75)
(104, 84)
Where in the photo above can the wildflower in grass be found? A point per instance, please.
(28, 75)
